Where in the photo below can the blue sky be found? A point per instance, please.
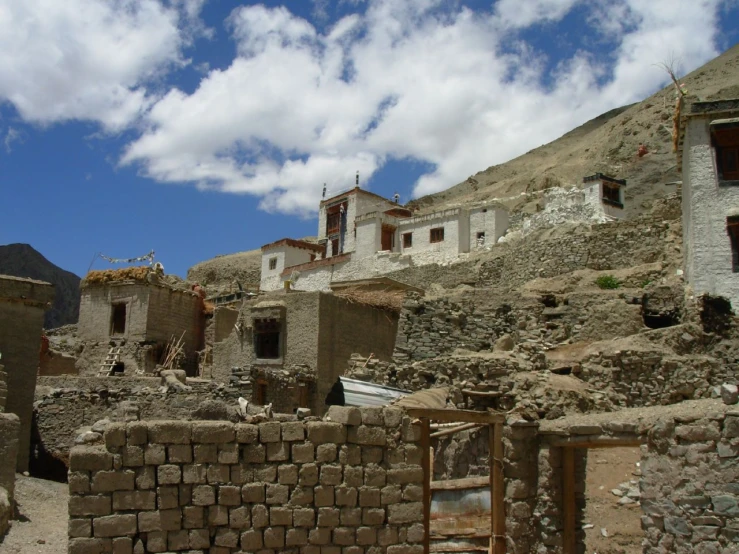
(197, 128)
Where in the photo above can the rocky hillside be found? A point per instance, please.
(22, 260)
(606, 144)
(222, 273)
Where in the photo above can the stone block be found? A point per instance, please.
(205, 453)
(134, 500)
(218, 473)
(203, 495)
(239, 518)
(149, 521)
(156, 541)
(251, 540)
(351, 516)
(132, 456)
(274, 537)
(366, 536)
(178, 540)
(253, 493)
(79, 527)
(79, 482)
(199, 538)
(89, 546)
(343, 536)
(331, 475)
(301, 496)
(179, 454)
(170, 432)
(277, 494)
(303, 453)
(407, 512)
(296, 537)
(280, 516)
(372, 415)
(391, 494)
(372, 454)
(114, 525)
(345, 496)
(229, 495)
(350, 455)
(217, 515)
(168, 497)
(293, 431)
(393, 417)
(137, 433)
(304, 517)
(90, 458)
(97, 505)
(170, 520)
(254, 453)
(169, 474)
(155, 454)
(266, 473)
(227, 537)
(353, 476)
(193, 517)
(269, 431)
(323, 496)
(278, 451)
(346, 415)
(259, 516)
(413, 493)
(193, 474)
(115, 435)
(369, 496)
(308, 475)
(213, 432)
(287, 474)
(329, 516)
(246, 433)
(367, 435)
(228, 453)
(405, 475)
(321, 432)
(373, 516)
(145, 477)
(326, 453)
(374, 476)
(123, 545)
(729, 394)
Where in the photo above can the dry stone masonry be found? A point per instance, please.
(351, 483)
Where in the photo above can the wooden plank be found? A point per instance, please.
(453, 430)
(498, 489)
(460, 416)
(427, 475)
(597, 442)
(568, 500)
(456, 484)
(482, 393)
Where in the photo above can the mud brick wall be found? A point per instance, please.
(690, 485)
(349, 485)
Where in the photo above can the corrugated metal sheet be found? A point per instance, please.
(460, 520)
(361, 393)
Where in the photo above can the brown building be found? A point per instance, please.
(293, 346)
(22, 306)
(136, 314)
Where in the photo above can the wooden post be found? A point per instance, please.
(568, 500)
(497, 491)
(427, 475)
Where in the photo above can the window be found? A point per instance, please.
(335, 247)
(333, 218)
(407, 240)
(273, 263)
(725, 140)
(612, 194)
(267, 338)
(481, 238)
(437, 235)
(732, 228)
(118, 319)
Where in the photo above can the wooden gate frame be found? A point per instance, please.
(569, 506)
(494, 421)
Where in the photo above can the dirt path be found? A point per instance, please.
(607, 468)
(42, 525)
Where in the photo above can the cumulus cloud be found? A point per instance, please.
(454, 88)
(90, 59)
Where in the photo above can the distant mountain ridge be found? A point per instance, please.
(22, 260)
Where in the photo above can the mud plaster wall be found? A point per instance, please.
(21, 323)
(95, 311)
(9, 426)
(224, 320)
(315, 486)
(347, 328)
(172, 312)
(64, 404)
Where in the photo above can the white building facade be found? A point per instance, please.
(363, 235)
(708, 155)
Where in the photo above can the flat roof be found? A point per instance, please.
(603, 177)
(385, 281)
(294, 243)
(355, 190)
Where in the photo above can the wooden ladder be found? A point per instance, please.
(113, 357)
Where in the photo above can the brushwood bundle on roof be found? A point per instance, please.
(100, 277)
(390, 300)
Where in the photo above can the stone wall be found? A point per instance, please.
(22, 306)
(689, 487)
(9, 428)
(65, 404)
(353, 484)
(600, 247)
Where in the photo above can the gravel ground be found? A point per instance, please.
(42, 524)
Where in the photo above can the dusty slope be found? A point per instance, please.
(605, 144)
(22, 260)
(222, 272)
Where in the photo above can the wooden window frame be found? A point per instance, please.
(725, 142)
(273, 263)
(436, 235)
(267, 339)
(408, 240)
(612, 195)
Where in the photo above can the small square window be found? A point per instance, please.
(267, 338)
(437, 235)
(725, 140)
(273, 263)
(407, 240)
(480, 238)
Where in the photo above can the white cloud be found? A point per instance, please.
(12, 135)
(412, 79)
(89, 59)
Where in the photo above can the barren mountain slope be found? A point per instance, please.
(222, 272)
(606, 144)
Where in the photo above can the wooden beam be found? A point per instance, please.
(497, 503)
(458, 484)
(483, 393)
(459, 416)
(568, 500)
(586, 441)
(427, 475)
(453, 430)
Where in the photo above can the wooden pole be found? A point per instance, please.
(497, 497)
(568, 500)
(453, 430)
(427, 475)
